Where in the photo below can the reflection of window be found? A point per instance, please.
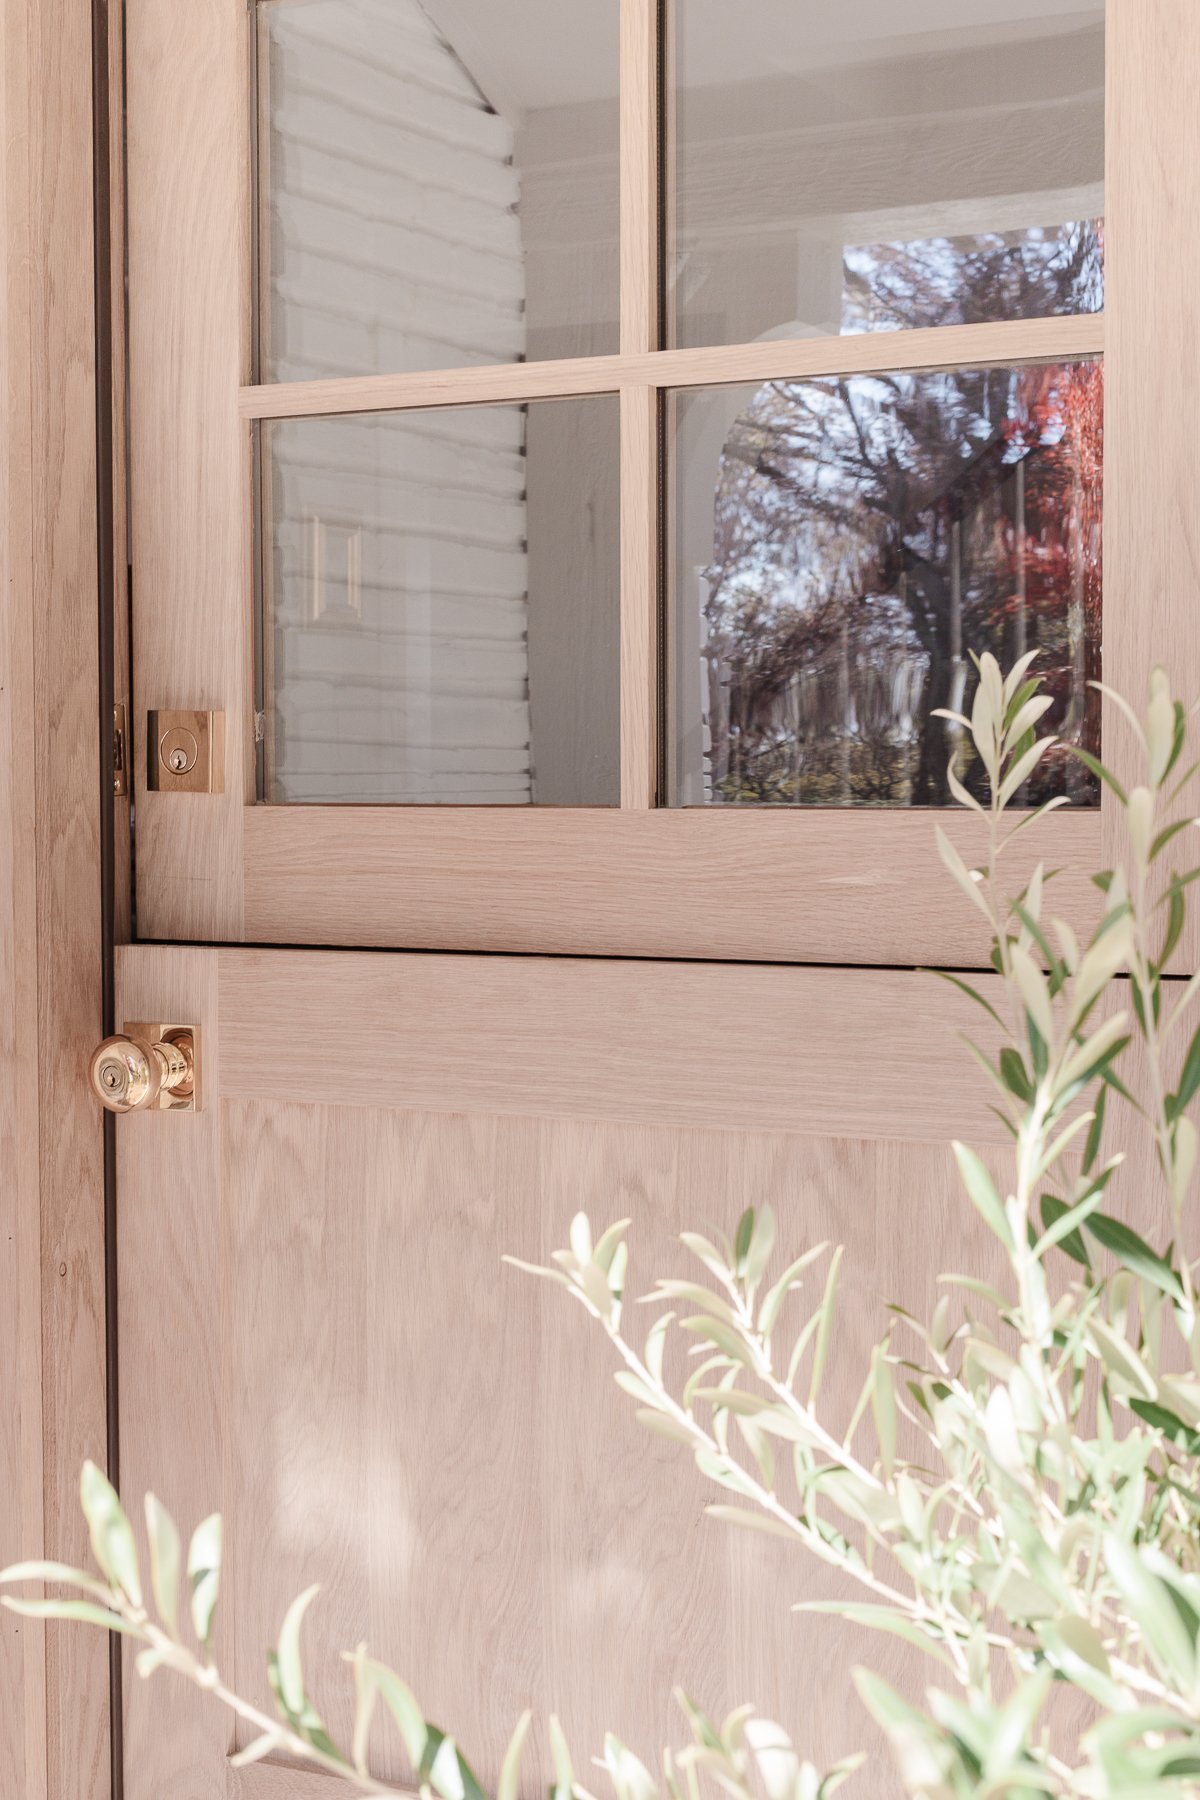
(871, 532)
(963, 280)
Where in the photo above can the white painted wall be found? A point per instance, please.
(397, 589)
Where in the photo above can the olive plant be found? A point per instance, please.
(1045, 1534)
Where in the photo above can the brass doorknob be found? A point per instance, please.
(146, 1067)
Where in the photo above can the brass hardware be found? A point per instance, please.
(148, 1068)
(120, 754)
(186, 752)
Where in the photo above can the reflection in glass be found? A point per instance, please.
(840, 549)
(875, 167)
(438, 184)
(440, 606)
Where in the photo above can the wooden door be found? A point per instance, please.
(430, 1032)
(320, 1339)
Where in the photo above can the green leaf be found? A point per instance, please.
(883, 1619)
(110, 1532)
(1091, 1149)
(1061, 1222)
(1120, 1358)
(666, 1425)
(631, 1778)
(741, 1242)
(510, 1772)
(1167, 833)
(1176, 918)
(82, 1611)
(958, 869)
(1189, 1080)
(725, 1337)
(165, 1562)
(883, 1406)
(1153, 1608)
(58, 1572)
(447, 1770)
(564, 1774)
(1172, 1427)
(1015, 1075)
(291, 1671)
(1098, 769)
(608, 1244)
(825, 1328)
(972, 993)
(762, 1243)
(983, 1195)
(398, 1697)
(255, 1752)
(769, 1313)
(1035, 995)
(1134, 1253)
(204, 1575)
(581, 1238)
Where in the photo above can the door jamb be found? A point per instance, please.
(55, 1733)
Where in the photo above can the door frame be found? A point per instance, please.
(55, 906)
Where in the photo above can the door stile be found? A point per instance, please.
(190, 469)
(1152, 386)
(173, 1351)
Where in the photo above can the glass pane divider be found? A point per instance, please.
(640, 554)
(640, 150)
(947, 346)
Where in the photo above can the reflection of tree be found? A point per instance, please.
(964, 280)
(871, 531)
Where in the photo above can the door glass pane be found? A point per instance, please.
(437, 184)
(839, 547)
(440, 606)
(873, 165)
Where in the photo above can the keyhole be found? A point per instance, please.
(178, 760)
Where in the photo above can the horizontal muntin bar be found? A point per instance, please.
(948, 346)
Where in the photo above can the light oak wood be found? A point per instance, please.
(53, 1725)
(383, 1407)
(662, 1043)
(22, 1531)
(278, 1781)
(639, 176)
(173, 1350)
(189, 455)
(952, 346)
(724, 883)
(1152, 373)
(640, 482)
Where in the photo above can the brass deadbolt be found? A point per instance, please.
(186, 752)
(148, 1068)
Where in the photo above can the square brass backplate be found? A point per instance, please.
(186, 1098)
(185, 752)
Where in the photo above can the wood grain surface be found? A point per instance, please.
(332, 1348)
(54, 1725)
(1152, 370)
(720, 882)
(950, 346)
(190, 469)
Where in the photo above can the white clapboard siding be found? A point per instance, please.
(397, 581)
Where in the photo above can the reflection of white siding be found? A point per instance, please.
(399, 575)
